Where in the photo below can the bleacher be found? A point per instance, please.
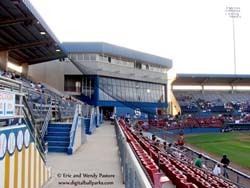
(41, 98)
(169, 124)
(43, 104)
(213, 101)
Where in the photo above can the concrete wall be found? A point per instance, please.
(118, 71)
(52, 73)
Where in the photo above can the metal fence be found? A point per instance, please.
(133, 174)
(239, 178)
(235, 176)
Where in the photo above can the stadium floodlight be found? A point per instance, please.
(234, 13)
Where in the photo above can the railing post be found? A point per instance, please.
(205, 161)
(19, 110)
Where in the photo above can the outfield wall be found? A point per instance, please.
(196, 130)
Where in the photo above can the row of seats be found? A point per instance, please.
(197, 176)
(150, 159)
(149, 164)
(181, 174)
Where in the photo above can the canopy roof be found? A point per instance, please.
(25, 35)
(212, 79)
(114, 50)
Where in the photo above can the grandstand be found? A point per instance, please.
(52, 112)
(223, 96)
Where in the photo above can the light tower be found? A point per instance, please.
(234, 13)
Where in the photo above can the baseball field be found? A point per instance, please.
(236, 145)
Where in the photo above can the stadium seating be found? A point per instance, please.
(213, 101)
(182, 174)
(45, 105)
(213, 109)
(189, 122)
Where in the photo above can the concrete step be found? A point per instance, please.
(56, 138)
(57, 149)
(64, 134)
(59, 129)
(63, 125)
(57, 143)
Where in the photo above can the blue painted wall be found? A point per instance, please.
(122, 108)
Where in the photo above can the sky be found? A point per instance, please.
(196, 34)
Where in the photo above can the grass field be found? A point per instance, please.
(235, 144)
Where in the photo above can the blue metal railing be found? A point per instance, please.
(46, 122)
(74, 127)
(235, 176)
(30, 122)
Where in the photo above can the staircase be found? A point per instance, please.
(58, 136)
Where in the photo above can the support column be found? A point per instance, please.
(25, 69)
(202, 89)
(232, 89)
(3, 60)
(96, 90)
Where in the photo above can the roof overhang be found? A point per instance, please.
(116, 51)
(212, 79)
(25, 35)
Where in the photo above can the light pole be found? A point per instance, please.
(233, 12)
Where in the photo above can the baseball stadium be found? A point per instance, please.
(96, 114)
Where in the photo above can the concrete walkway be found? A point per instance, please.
(96, 164)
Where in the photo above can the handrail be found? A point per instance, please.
(215, 161)
(10, 82)
(32, 127)
(33, 134)
(210, 162)
(46, 122)
(29, 111)
(74, 126)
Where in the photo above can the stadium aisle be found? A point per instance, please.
(97, 161)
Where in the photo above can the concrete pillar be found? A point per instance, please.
(3, 60)
(25, 69)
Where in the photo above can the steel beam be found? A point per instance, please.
(8, 22)
(26, 45)
(46, 58)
